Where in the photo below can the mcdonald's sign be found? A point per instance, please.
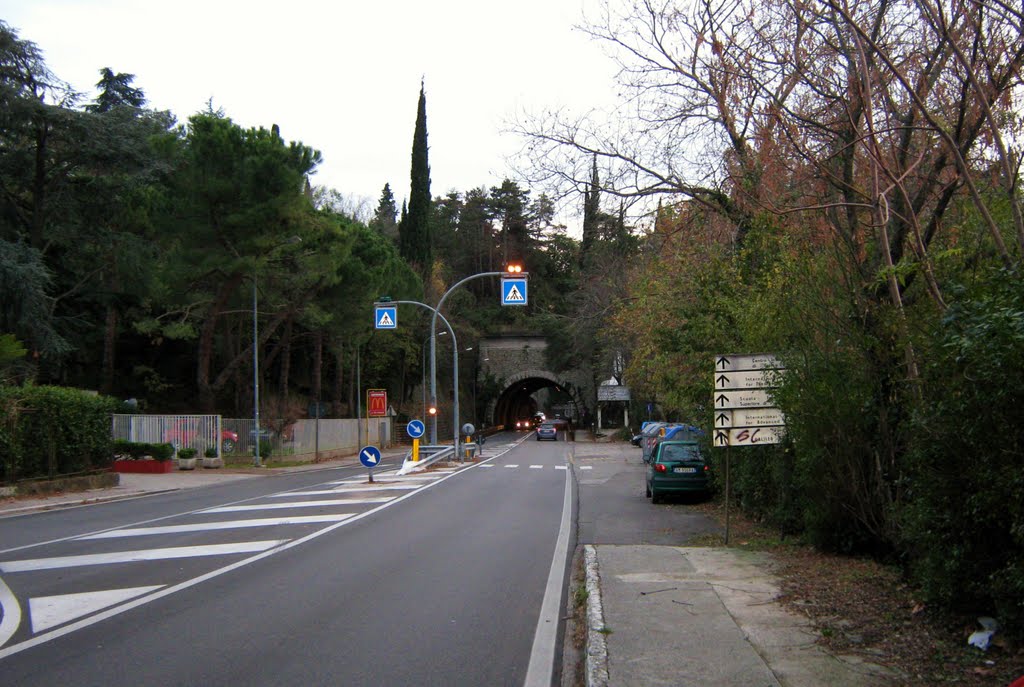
(376, 402)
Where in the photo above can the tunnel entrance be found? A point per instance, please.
(524, 398)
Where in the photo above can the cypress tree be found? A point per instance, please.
(415, 241)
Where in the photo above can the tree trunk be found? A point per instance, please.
(207, 402)
(318, 363)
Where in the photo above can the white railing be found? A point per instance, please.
(183, 431)
(237, 435)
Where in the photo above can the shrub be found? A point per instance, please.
(187, 453)
(48, 431)
(266, 448)
(210, 452)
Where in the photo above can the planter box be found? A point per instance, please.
(144, 466)
(213, 462)
(187, 463)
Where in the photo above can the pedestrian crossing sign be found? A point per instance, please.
(385, 317)
(513, 291)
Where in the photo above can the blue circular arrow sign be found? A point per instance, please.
(369, 456)
(415, 428)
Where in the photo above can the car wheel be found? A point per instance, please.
(227, 446)
(655, 496)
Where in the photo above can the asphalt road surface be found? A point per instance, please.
(450, 578)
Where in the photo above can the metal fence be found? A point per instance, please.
(183, 431)
(238, 435)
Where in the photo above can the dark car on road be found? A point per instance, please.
(677, 467)
(547, 430)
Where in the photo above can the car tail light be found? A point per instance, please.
(658, 467)
(707, 468)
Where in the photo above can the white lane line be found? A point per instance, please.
(224, 525)
(31, 564)
(511, 466)
(487, 466)
(545, 637)
(49, 611)
(296, 504)
(536, 467)
(560, 467)
(335, 492)
(586, 467)
(12, 613)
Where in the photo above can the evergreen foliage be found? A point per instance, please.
(416, 240)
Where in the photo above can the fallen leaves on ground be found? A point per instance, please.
(868, 609)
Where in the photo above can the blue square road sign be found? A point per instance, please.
(513, 291)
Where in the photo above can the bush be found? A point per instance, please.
(210, 452)
(266, 448)
(964, 518)
(187, 453)
(47, 431)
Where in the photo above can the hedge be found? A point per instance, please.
(47, 431)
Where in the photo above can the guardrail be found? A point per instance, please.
(433, 454)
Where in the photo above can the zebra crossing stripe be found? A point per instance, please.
(536, 467)
(346, 490)
(224, 525)
(297, 504)
(32, 564)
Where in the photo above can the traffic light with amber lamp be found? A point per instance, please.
(514, 269)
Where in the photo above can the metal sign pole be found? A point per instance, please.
(728, 494)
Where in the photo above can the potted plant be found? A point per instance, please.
(187, 459)
(211, 459)
(133, 456)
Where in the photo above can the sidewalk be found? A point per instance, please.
(678, 615)
(133, 485)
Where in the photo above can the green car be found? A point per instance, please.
(677, 467)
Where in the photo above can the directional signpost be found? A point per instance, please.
(415, 429)
(369, 456)
(743, 410)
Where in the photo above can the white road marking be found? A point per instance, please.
(56, 633)
(487, 466)
(511, 466)
(49, 611)
(11, 613)
(542, 654)
(31, 564)
(560, 467)
(586, 467)
(297, 504)
(536, 467)
(223, 525)
(343, 490)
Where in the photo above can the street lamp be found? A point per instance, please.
(256, 358)
(516, 270)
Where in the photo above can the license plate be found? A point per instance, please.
(685, 470)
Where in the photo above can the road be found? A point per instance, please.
(455, 578)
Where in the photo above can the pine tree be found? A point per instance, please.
(415, 242)
(591, 215)
(385, 217)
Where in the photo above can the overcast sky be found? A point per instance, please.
(341, 76)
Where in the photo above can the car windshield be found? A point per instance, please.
(547, 426)
(677, 452)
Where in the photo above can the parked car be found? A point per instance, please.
(547, 430)
(183, 434)
(677, 467)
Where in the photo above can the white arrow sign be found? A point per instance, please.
(746, 379)
(760, 361)
(757, 398)
(754, 417)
